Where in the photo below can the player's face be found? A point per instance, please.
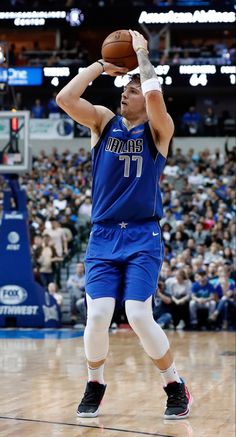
(132, 100)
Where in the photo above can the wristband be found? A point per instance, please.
(152, 84)
(101, 63)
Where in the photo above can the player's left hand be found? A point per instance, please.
(138, 40)
(113, 70)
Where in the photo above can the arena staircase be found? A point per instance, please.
(66, 271)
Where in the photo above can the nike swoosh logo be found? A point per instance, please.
(117, 130)
(155, 234)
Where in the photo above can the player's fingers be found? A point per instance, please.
(132, 32)
(121, 70)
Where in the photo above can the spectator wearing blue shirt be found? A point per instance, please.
(226, 307)
(191, 121)
(203, 297)
(53, 108)
(76, 288)
(37, 110)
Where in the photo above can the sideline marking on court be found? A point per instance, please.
(104, 428)
(40, 334)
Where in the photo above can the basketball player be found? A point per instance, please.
(125, 249)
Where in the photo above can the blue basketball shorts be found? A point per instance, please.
(123, 260)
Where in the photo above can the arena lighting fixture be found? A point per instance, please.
(38, 18)
(211, 16)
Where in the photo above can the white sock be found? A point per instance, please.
(170, 375)
(96, 374)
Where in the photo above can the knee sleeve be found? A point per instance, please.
(96, 338)
(152, 337)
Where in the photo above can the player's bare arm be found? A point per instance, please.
(160, 121)
(82, 111)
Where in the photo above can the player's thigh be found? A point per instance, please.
(103, 278)
(141, 275)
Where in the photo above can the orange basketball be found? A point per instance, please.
(117, 48)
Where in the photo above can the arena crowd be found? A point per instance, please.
(197, 280)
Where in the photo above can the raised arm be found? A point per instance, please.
(69, 98)
(160, 121)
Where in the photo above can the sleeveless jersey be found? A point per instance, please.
(126, 173)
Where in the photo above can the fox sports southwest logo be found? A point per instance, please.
(12, 294)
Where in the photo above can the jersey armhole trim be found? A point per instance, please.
(151, 145)
(105, 130)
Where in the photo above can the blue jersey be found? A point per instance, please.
(126, 173)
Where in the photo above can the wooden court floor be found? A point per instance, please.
(42, 381)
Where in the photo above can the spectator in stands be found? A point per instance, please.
(226, 291)
(213, 254)
(161, 307)
(85, 210)
(154, 40)
(171, 170)
(37, 110)
(218, 157)
(196, 178)
(191, 122)
(68, 223)
(58, 237)
(177, 209)
(228, 255)
(200, 234)
(212, 271)
(76, 288)
(166, 232)
(210, 122)
(176, 60)
(52, 107)
(60, 202)
(46, 256)
(203, 297)
(179, 289)
(186, 59)
(53, 290)
(179, 157)
(208, 221)
(177, 243)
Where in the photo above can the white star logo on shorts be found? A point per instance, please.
(123, 225)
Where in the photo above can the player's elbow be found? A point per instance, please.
(61, 99)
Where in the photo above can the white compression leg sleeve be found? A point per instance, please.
(152, 337)
(96, 336)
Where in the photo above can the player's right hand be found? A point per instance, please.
(114, 70)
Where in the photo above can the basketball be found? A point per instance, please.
(117, 49)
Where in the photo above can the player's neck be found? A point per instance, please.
(132, 123)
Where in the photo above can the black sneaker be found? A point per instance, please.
(179, 401)
(89, 406)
